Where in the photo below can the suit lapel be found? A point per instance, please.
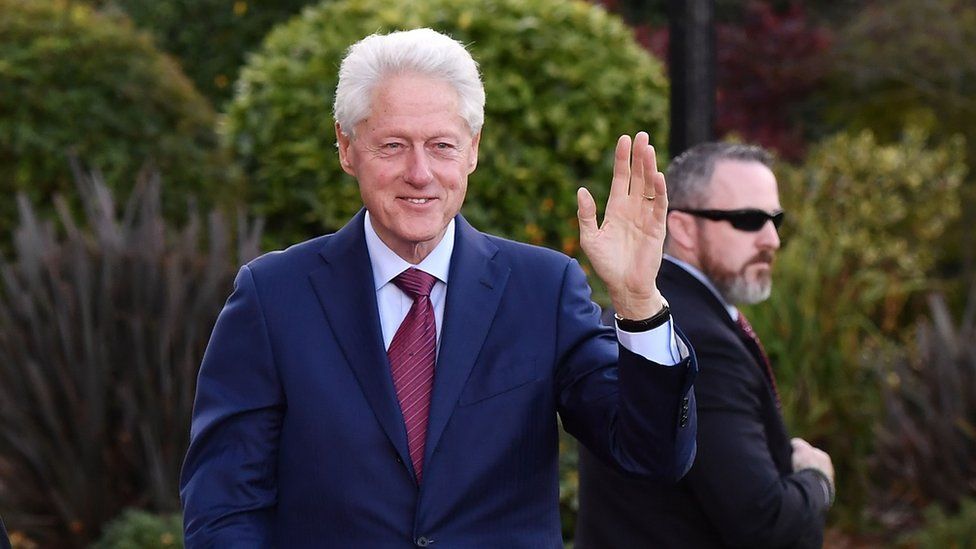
(476, 284)
(344, 287)
(679, 280)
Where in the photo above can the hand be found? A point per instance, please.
(806, 456)
(626, 249)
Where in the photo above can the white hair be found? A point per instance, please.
(421, 51)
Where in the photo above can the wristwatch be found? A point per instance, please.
(643, 325)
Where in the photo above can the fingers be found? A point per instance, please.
(660, 199)
(798, 442)
(806, 455)
(649, 183)
(585, 212)
(620, 184)
(639, 167)
(635, 180)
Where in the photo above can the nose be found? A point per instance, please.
(769, 237)
(418, 167)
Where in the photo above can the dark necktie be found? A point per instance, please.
(768, 368)
(411, 355)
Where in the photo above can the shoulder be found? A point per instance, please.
(522, 254)
(704, 321)
(293, 257)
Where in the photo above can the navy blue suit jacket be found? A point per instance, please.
(4, 540)
(297, 438)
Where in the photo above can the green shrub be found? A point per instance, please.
(903, 61)
(101, 335)
(136, 529)
(862, 218)
(76, 82)
(209, 37)
(563, 80)
(944, 530)
(907, 62)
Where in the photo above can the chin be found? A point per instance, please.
(417, 237)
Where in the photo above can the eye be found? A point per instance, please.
(444, 146)
(391, 146)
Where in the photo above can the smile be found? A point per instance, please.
(418, 200)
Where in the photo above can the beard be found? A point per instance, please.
(735, 286)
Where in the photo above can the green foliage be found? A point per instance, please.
(904, 62)
(209, 37)
(926, 447)
(946, 530)
(563, 80)
(101, 334)
(77, 82)
(857, 247)
(879, 207)
(136, 529)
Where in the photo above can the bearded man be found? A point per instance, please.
(750, 485)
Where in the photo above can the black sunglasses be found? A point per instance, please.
(749, 219)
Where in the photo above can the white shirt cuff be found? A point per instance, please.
(659, 345)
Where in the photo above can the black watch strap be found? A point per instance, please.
(635, 326)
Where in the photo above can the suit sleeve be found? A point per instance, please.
(735, 479)
(636, 415)
(228, 479)
(4, 540)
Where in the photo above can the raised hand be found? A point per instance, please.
(626, 249)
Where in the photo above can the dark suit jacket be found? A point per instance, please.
(297, 438)
(4, 540)
(741, 491)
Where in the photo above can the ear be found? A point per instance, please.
(683, 234)
(345, 151)
(473, 157)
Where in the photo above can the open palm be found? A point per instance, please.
(626, 249)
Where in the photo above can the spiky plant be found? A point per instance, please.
(102, 327)
(926, 447)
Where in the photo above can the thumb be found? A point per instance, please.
(586, 211)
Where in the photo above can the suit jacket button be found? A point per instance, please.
(423, 541)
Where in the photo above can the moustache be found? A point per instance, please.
(763, 257)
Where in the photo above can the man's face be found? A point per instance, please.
(412, 156)
(739, 262)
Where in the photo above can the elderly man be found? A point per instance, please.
(398, 382)
(750, 486)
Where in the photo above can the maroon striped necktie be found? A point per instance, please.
(411, 355)
(767, 366)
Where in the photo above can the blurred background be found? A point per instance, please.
(149, 147)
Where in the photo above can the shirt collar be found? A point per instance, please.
(387, 264)
(733, 312)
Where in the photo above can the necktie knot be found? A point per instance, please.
(415, 282)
